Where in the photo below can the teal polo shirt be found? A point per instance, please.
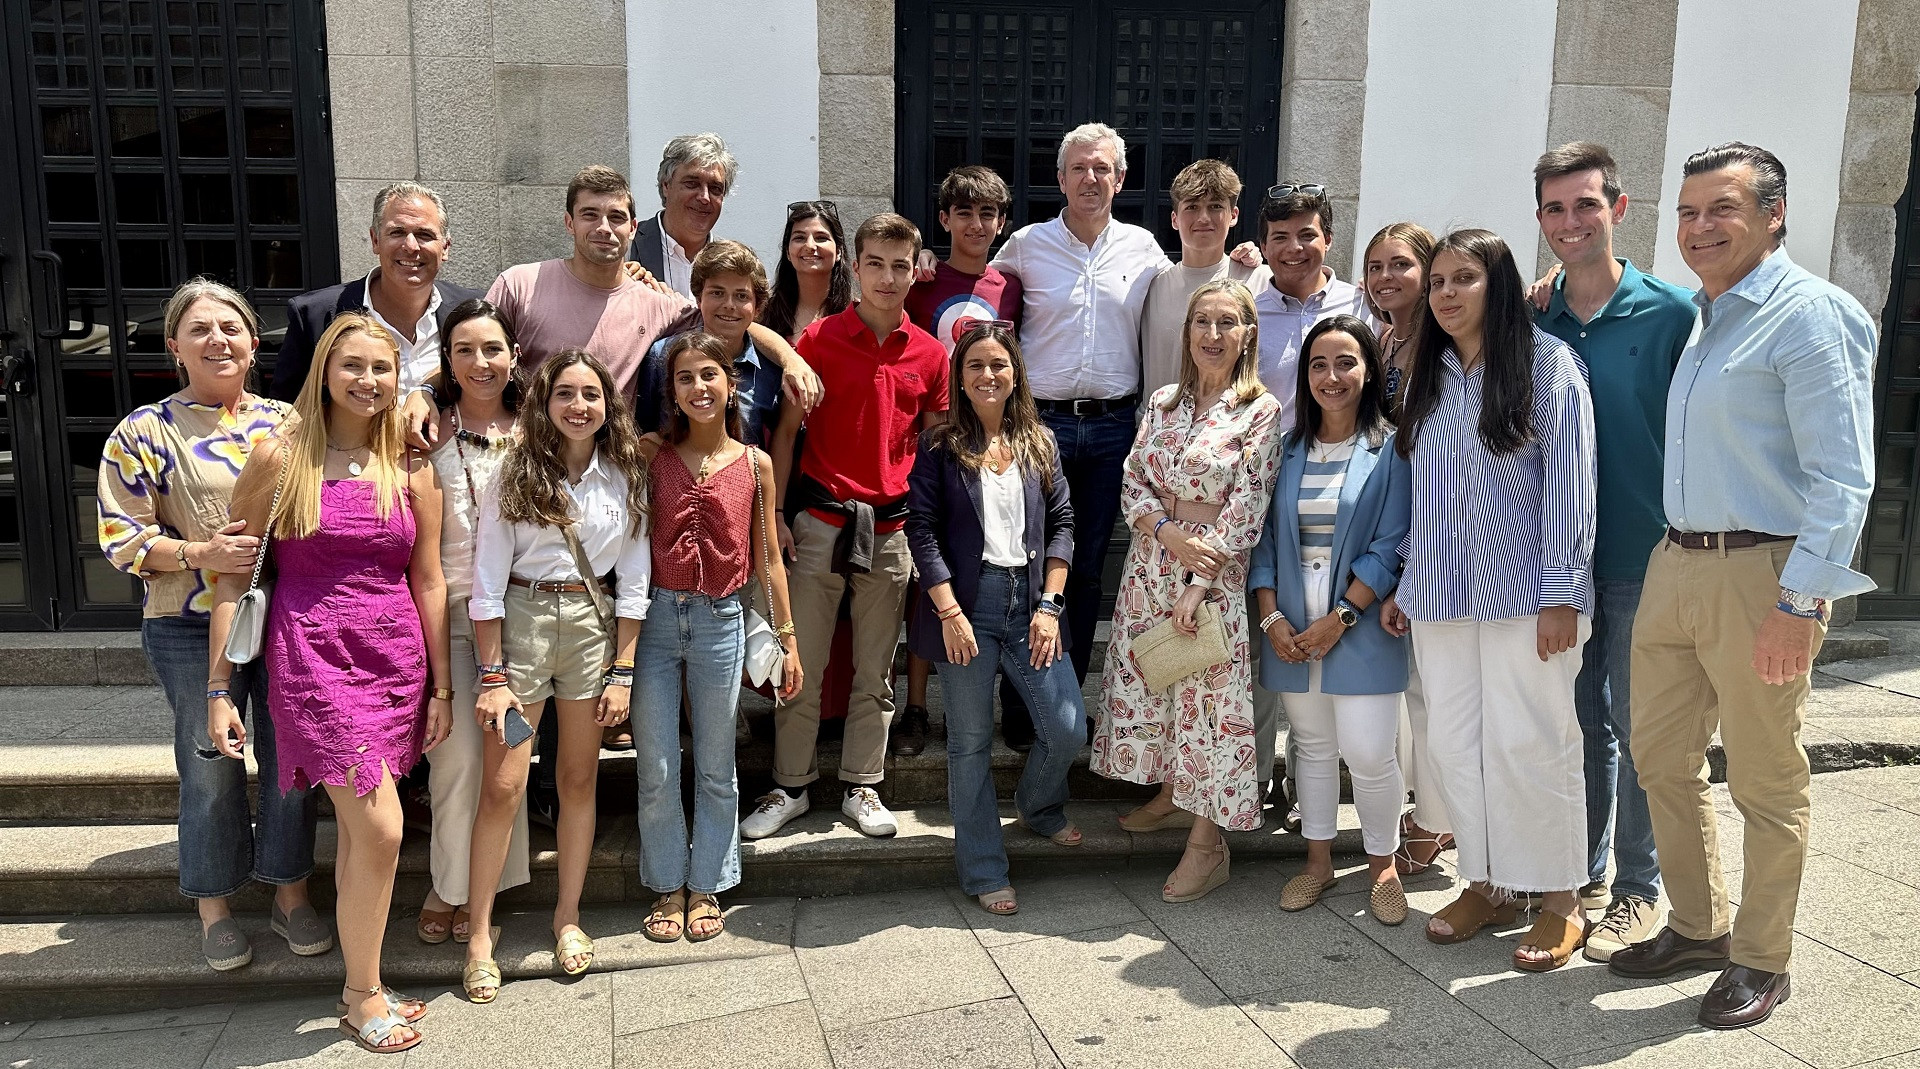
(1630, 349)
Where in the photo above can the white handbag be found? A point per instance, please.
(248, 632)
(766, 658)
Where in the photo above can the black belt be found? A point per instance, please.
(1722, 539)
(556, 586)
(1087, 406)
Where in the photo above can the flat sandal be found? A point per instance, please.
(704, 907)
(1469, 913)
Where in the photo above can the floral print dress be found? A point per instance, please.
(1199, 732)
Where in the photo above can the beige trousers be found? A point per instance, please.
(1692, 674)
(878, 600)
(454, 774)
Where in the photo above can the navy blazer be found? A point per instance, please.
(646, 249)
(307, 319)
(949, 545)
(1376, 510)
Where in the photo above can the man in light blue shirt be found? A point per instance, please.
(1768, 468)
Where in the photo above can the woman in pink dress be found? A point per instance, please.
(356, 634)
(1195, 492)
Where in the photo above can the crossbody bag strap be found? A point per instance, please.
(768, 544)
(591, 581)
(273, 513)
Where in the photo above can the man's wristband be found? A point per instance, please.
(1805, 606)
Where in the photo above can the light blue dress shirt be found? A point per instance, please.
(1770, 422)
(1503, 535)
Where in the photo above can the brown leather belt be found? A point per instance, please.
(1722, 539)
(552, 586)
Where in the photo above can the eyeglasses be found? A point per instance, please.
(1288, 189)
(813, 205)
(968, 326)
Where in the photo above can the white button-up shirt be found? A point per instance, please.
(1284, 323)
(679, 266)
(530, 551)
(419, 358)
(1081, 305)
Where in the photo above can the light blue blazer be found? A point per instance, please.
(1376, 509)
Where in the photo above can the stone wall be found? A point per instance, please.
(856, 107)
(494, 103)
(1879, 145)
(1612, 74)
(1323, 95)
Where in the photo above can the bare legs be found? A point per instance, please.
(370, 828)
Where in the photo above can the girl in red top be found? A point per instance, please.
(712, 507)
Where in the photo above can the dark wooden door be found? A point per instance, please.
(152, 141)
(999, 83)
(1893, 528)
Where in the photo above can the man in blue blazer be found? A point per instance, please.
(405, 293)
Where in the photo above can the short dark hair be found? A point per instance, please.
(1769, 182)
(599, 179)
(1575, 157)
(974, 184)
(1299, 202)
(887, 226)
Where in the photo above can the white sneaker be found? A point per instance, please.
(775, 810)
(864, 808)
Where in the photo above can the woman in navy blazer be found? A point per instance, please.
(1329, 555)
(991, 532)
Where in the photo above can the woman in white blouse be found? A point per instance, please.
(575, 473)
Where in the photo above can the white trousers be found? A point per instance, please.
(455, 770)
(1507, 749)
(1416, 757)
(1324, 728)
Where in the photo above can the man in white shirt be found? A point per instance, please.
(1084, 278)
(404, 292)
(1296, 230)
(696, 174)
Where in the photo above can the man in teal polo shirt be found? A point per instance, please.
(1629, 328)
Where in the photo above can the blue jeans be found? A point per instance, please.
(221, 846)
(708, 638)
(1617, 817)
(1000, 616)
(1093, 455)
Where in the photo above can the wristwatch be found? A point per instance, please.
(1347, 614)
(1803, 605)
(1052, 603)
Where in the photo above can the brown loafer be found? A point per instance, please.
(1743, 997)
(1669, 953)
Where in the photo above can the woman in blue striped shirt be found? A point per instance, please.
(1499, 428)
(1330, 551)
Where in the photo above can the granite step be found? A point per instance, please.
(86, 955)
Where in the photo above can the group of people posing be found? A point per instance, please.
(1412, 519)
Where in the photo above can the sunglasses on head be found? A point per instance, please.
(987, 324)
(1288, 189)
(813, 205)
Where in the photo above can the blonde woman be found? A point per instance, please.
(356, 634)
(1195, 491)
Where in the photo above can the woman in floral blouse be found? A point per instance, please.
(166, 480)
(1195, 492)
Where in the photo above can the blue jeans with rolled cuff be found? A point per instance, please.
(1002, 613)
(708, 638)
(223, 844)
(1617, 817)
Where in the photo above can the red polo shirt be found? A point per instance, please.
(861, 439)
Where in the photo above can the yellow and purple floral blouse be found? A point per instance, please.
(168, 472)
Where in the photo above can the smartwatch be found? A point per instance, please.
(1053, 604)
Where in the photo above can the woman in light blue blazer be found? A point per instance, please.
(1329, 555)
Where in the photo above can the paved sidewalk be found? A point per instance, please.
(1096, 971)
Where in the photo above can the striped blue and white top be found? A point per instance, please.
(1502, 536)
(1320, 485)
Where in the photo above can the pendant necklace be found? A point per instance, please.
(353, 466)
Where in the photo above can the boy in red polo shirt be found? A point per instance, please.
(885, 380)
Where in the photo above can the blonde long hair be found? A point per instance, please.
(1245, 384)
(305, 451)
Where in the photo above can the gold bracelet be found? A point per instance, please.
(445, 694)
(784, 629)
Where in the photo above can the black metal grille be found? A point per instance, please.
(998, 84)
(1892, 540)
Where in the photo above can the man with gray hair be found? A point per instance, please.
(696, 174)
(1768, 468)
(1084, 278)
(403, 291)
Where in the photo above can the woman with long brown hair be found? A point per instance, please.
(356, 634)
(991, 530)
(568, 508)
(815, 276)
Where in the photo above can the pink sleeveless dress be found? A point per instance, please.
(345, 653)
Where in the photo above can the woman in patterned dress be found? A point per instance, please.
(1195, 492)
(166, 480)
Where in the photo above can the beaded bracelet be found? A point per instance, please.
(1271, 618)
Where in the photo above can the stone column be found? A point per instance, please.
(857, 108)
(1323, 100)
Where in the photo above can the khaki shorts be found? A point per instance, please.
(554, 646)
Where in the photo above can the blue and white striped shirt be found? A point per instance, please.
(1319, 501)
(1502, 536)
